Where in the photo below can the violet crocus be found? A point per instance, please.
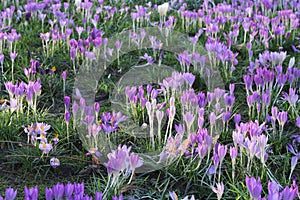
(289, 193)
(58, 191)
(222, 150)
(67, 101)
(294, 161)
(32, 193)
(189, 119)
(49, 194)
(254, 187)
(79, 190)
(10, 194)
(273, 191)
(98, 196)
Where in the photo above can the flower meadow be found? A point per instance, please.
(185, 99)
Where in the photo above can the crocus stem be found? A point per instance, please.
(220, 167)
(68, 139)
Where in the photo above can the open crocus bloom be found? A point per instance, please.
(54, 162)
(45, 147)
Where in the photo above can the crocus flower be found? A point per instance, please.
(67, 117)
(254, 187)
(64, 75)
(10, 194)
(67, 101)
(58, 191)
(98, 196)
(32, 193)
(49, 194)
(219, 190)
(45, 147)
(289, 193)
(273, 191)
(54, 162)
(163, 9)
(79, 189)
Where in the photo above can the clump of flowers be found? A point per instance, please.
(58, 191)
(37, 134)
(121, 163)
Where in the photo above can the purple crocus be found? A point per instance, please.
(97, 107)
(10, 194)
(67, 101)
(254, 187)
(289, 193)
(49, 194)
(79, 189)
(67, 117)
(32, 193)
(273, 191)
(282, 118)
(58, 191)
(64, 75)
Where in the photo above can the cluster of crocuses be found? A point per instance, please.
(8, 39)
(18, 91)
(177, 90)
(275, 191)
(121, 163)
(58, 192)
(265, 81)
(37, 135)
(96, 123)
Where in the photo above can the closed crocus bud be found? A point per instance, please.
(163, 9)
(212, 118)
(67, 117)
(67, 101)
(31, 193)
(10, 194)
(64, 75)
(233, 152)
(97, 107)
(282, 118)
(48, 194)
(58, 191)
(237, 118)
(98, 196)
(254, 187)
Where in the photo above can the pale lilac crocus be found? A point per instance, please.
(219, 190)
(282, 118)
